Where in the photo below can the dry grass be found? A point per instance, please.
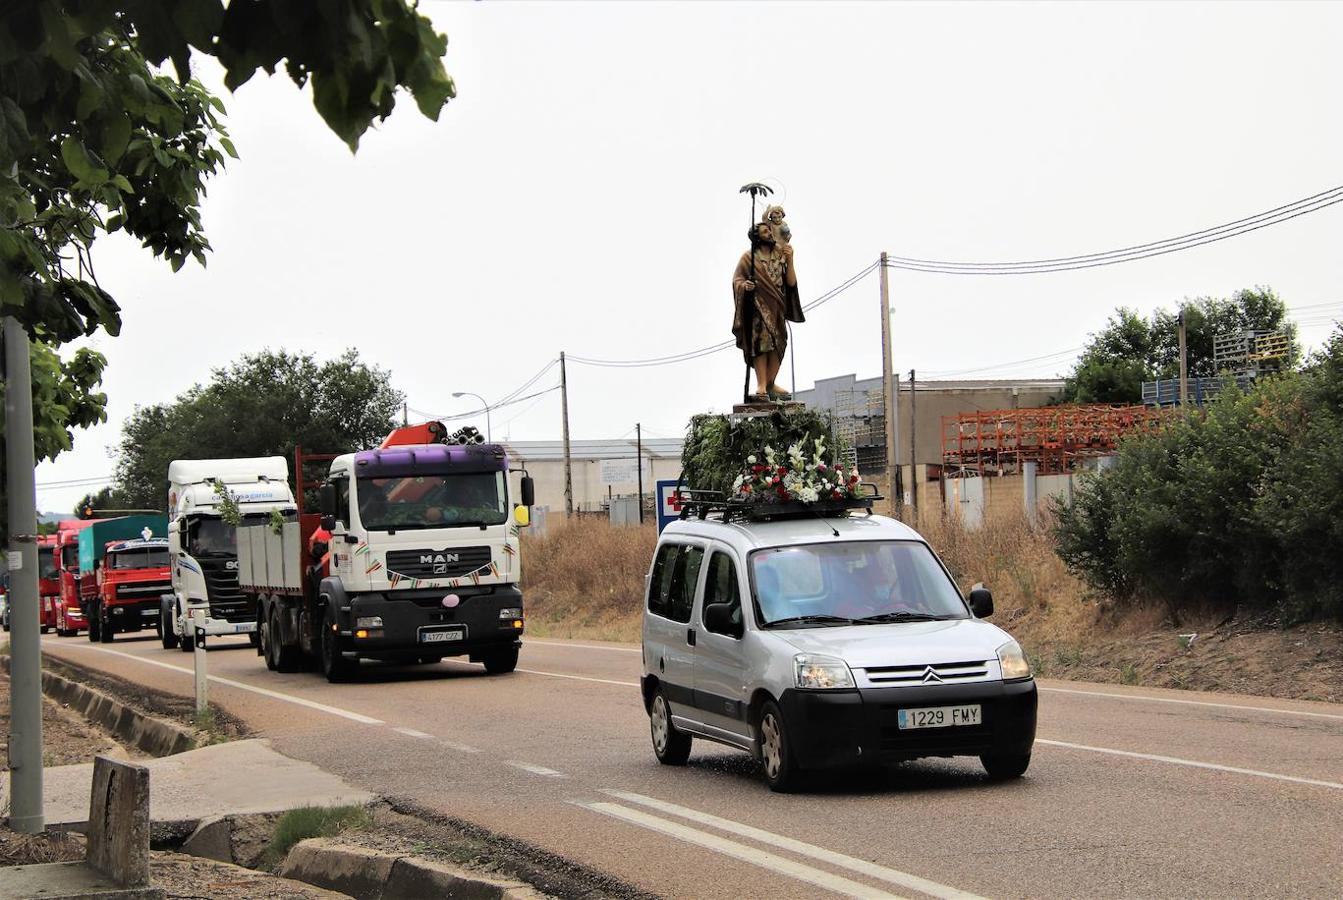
(585, 580)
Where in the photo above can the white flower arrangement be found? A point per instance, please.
(804, 477)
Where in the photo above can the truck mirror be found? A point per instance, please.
(328, 523)
(522, 515)
(326, 499)
(528, 491)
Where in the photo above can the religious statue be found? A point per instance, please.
(765, 296)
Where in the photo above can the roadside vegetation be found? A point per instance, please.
(313, 821)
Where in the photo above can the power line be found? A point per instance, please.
(481, 411)
(722, 345)
(1236, 228)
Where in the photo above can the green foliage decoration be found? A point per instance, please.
(716, 446)
(229, 510)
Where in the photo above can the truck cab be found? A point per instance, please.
(203, 542)
(129, 580)
(48, 580)
(66, 614)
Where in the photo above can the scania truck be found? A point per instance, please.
(204, 495)
(414, 558)
(123, 571)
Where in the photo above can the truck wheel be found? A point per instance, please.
(279, 658)
(166, 635)
(335, 667)
(43, 629)
(501, 662)
(94, 625)
(105, 629)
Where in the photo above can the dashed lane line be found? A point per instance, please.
(1235, 706)
(229, 682)
(534, 769)
(1193, 763)
(411, 732)
(859, 866)
(769, 861)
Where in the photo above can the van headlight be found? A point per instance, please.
(511, 612)
(368, 622)
(1013, 661)
(821, 672)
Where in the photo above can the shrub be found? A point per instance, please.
(313, 821)
(716, 446)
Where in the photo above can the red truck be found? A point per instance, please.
(66, 615)
(48, 581)
(124, 569)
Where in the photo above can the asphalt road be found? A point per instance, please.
(1132, 792)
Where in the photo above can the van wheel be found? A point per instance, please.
(1005, 766)
(781, 773)
(335, 666)
(279, 658)
(670, 745)
(501, 662)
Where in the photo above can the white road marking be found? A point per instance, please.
(861, 866)
(535, 770)
(581, 678)
(769, 861)
(527, 641)
(274, 695)
(460, 748)
(1194, 763)
(1266, 709)
(411, 732)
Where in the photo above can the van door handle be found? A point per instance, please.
(690, 636)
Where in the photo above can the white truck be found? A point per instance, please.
(414, 557)
(202, 544)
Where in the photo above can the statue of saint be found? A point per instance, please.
(764, 291)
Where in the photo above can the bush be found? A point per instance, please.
(716, 446)
(313, 821)
(1239, 504)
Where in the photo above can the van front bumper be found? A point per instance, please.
(827, 729)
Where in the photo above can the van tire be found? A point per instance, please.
(1005, 766)
(670, 745)
(776, 757)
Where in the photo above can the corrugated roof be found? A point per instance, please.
(653, 448)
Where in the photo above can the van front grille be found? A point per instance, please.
(936, 673)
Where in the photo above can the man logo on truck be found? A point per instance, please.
(439, 560)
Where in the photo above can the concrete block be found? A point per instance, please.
(118, 834)
(412, 879)
(68, 881)
(351, 870)
(212, 839)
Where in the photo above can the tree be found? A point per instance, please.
(262, 405)
(1131, 350)
(93, 139)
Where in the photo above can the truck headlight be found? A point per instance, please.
(368, 622)
(821, 672)
(512, 612)
(1013, 661)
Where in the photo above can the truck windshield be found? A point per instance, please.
(213, 537)
(860, 582)
(433, 501)
(139, 559)
(46, 563)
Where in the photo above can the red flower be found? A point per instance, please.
(835, 495)
(853, 480)
(746, 489)
(757, 469)
(783, 470)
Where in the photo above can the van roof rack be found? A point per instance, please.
(702, 505)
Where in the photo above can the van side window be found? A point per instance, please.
(671, 592)
(721, 585)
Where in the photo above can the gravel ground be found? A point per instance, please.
(67, 738)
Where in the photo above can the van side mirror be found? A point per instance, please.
(326, 499)
(981, 601)
(528, 491)
(718, 619)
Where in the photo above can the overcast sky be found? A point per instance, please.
(580, 194)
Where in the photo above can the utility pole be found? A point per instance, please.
(889, 401)
(913, 460)
(405, 414)
(568, 461)
(26, 814)
(1184, 364)
(639, 442)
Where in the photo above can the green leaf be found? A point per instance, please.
(123, 184)
(116, 135)
(77, 161)
(228, 147)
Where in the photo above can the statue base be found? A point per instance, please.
(764, 408)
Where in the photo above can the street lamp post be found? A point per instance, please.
(488, 436)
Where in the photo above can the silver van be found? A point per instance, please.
(821, 642)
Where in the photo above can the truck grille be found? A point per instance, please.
(452, 563)
(227, 600)
(144, 590)
(949, 672)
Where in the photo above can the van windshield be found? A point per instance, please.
(859, 582)
(433, 501)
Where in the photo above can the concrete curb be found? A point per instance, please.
(146, 733)
(379, 875)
